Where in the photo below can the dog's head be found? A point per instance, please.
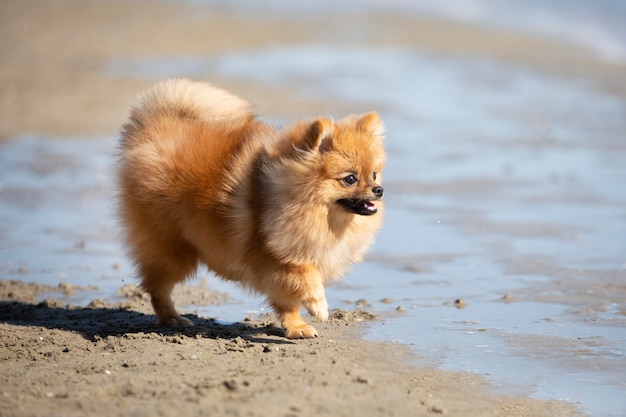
(349, 159)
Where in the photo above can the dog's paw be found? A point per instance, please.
(301, 331)
(318, 308)
(175, 321)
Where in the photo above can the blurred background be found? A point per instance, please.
(504, 246)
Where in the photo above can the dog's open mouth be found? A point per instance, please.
(358, 206)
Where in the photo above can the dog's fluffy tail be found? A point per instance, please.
(186, 99)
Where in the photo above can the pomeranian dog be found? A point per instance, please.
(282, 212)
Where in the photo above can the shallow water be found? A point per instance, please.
(505, 189)
(593, 25)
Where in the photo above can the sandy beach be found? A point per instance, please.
(59, 359)
(110, 358)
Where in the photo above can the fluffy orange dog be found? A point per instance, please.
(282, 212)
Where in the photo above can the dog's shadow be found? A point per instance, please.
(97, 323)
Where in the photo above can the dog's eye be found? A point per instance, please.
(375, 175)
(350, 180)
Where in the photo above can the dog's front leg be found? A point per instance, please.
(298, 286)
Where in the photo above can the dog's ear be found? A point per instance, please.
(319, 135)
(371, 124)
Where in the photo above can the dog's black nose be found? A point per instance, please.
(378, 191)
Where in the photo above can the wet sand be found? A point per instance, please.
(65, 360)
(109, 357)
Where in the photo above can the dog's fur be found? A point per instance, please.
(282, 212)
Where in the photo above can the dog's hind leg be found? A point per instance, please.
(158, 278)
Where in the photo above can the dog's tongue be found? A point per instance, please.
(369, 206)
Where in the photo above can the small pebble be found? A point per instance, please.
(362, 380)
